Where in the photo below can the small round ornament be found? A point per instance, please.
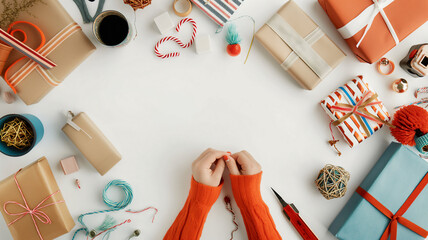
(400, 85)
(233, 40)
(332, 181)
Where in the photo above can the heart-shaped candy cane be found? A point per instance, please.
(178, 41)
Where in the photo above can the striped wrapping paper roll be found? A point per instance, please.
(351, 93)
(219, 10)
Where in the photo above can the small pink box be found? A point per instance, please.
(69, 165)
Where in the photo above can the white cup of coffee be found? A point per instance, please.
(112, 29)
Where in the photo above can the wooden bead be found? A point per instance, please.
(8, 97)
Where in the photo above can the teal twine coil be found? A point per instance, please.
(113, 205)
(116, 206)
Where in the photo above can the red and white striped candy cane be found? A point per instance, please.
(165, 39)
(192, 39)
(178, 41)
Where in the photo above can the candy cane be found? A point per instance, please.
(165, 39)
(178, 41)
(192, 39)
(421, 90)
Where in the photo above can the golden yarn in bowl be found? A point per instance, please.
(332, 181)
(17, 134)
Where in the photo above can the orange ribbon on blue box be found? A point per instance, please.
(391, 230)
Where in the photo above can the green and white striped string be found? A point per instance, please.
(113, 207)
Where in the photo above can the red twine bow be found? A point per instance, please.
(358, 108)
(359, 111)
(396, 218)
(35, 213)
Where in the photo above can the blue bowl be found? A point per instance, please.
(36, 126)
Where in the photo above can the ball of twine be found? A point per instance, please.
(332, 181)
(138, 4)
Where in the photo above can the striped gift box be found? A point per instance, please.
(351, 93)
(218, 10)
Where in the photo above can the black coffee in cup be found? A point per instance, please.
(111, 28)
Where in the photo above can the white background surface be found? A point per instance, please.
(161, 114)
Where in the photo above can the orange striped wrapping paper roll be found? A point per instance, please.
(405, 17)
(66, 45)
(351, 129)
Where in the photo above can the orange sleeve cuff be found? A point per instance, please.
(246, 189)
(204, 194)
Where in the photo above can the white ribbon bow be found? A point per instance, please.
(365, 19)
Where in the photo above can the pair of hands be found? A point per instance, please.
(208, 168)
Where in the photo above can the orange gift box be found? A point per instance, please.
(351, 18)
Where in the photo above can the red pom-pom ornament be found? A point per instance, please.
(411, 123)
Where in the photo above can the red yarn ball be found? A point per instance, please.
(410, 122)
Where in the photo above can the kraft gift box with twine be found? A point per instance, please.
(32, 204)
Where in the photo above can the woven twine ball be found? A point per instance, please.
(332, 181)
(138, 4)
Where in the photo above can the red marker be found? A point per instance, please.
(293, 216)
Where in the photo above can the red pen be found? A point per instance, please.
(293, 216)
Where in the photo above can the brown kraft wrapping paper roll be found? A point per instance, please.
(92, 143)
(37, 183)
(304, 26)
(51, 17)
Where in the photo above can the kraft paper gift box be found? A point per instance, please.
(395, 186)
(299, 45)
(352, 18)
(50, 218)
(66, 45)
(220, 11)
(370, 116)
(92, 143)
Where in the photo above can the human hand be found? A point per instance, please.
(242, 163)
(207, 168)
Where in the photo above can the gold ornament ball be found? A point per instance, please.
(400, 85)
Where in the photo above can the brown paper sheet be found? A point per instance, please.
(303, 25)
(51, 17)
(37, 182)
(99, 151)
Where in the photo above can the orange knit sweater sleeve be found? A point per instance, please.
(190, 221)
(256, 215)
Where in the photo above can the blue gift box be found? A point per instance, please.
(391, 181)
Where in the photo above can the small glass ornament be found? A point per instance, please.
(400, 85)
